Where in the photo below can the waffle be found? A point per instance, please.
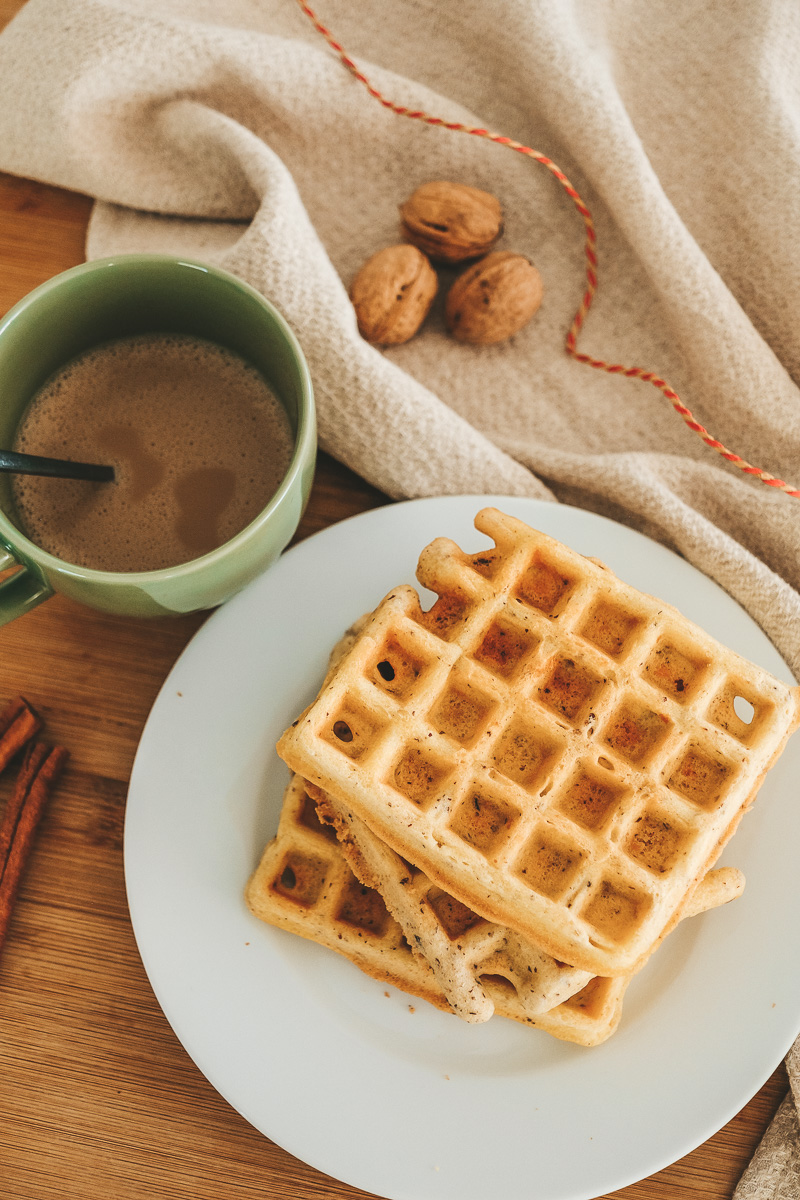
(460, 947)
(563, 754)
(303, 884)
(463, 949)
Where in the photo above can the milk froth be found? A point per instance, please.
(198, 441)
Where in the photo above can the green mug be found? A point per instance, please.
(138, 294)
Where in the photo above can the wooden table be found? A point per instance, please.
(98, 1099)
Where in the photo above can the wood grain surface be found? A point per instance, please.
(97, 1097)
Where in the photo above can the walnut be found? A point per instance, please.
(493, 299)
(450, 221)
(392, 294)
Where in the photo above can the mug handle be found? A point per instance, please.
(21, 592)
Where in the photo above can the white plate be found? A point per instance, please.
(389, 1095)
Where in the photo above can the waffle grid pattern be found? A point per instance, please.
(466, 953)
(303, 884)
(563, 753)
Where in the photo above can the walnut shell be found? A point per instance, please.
(450, 221)
(392, 294)
(493, 299)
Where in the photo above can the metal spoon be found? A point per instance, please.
(34, 464)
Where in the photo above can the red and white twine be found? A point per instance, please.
(590, 254)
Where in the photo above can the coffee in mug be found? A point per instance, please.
(194, 388)
(197, 439)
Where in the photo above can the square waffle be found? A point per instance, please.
(469, 956)
(563, 754)
(303, 884)
(462, 948)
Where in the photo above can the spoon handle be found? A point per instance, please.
(34, 464)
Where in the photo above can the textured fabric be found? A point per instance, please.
(228, 130)
(774, 1172)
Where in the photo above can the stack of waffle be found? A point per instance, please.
(503, 804)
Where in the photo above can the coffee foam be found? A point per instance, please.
(198, 441)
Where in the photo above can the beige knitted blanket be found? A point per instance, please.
(228, 130)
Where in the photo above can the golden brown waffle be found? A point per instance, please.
(303, 885)
(562, 753)
(460, 947)
(463, 949)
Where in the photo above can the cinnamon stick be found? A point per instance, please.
(11, 813)
(18, 724)
(37, 777)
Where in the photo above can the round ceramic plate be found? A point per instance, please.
(378, 1090)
